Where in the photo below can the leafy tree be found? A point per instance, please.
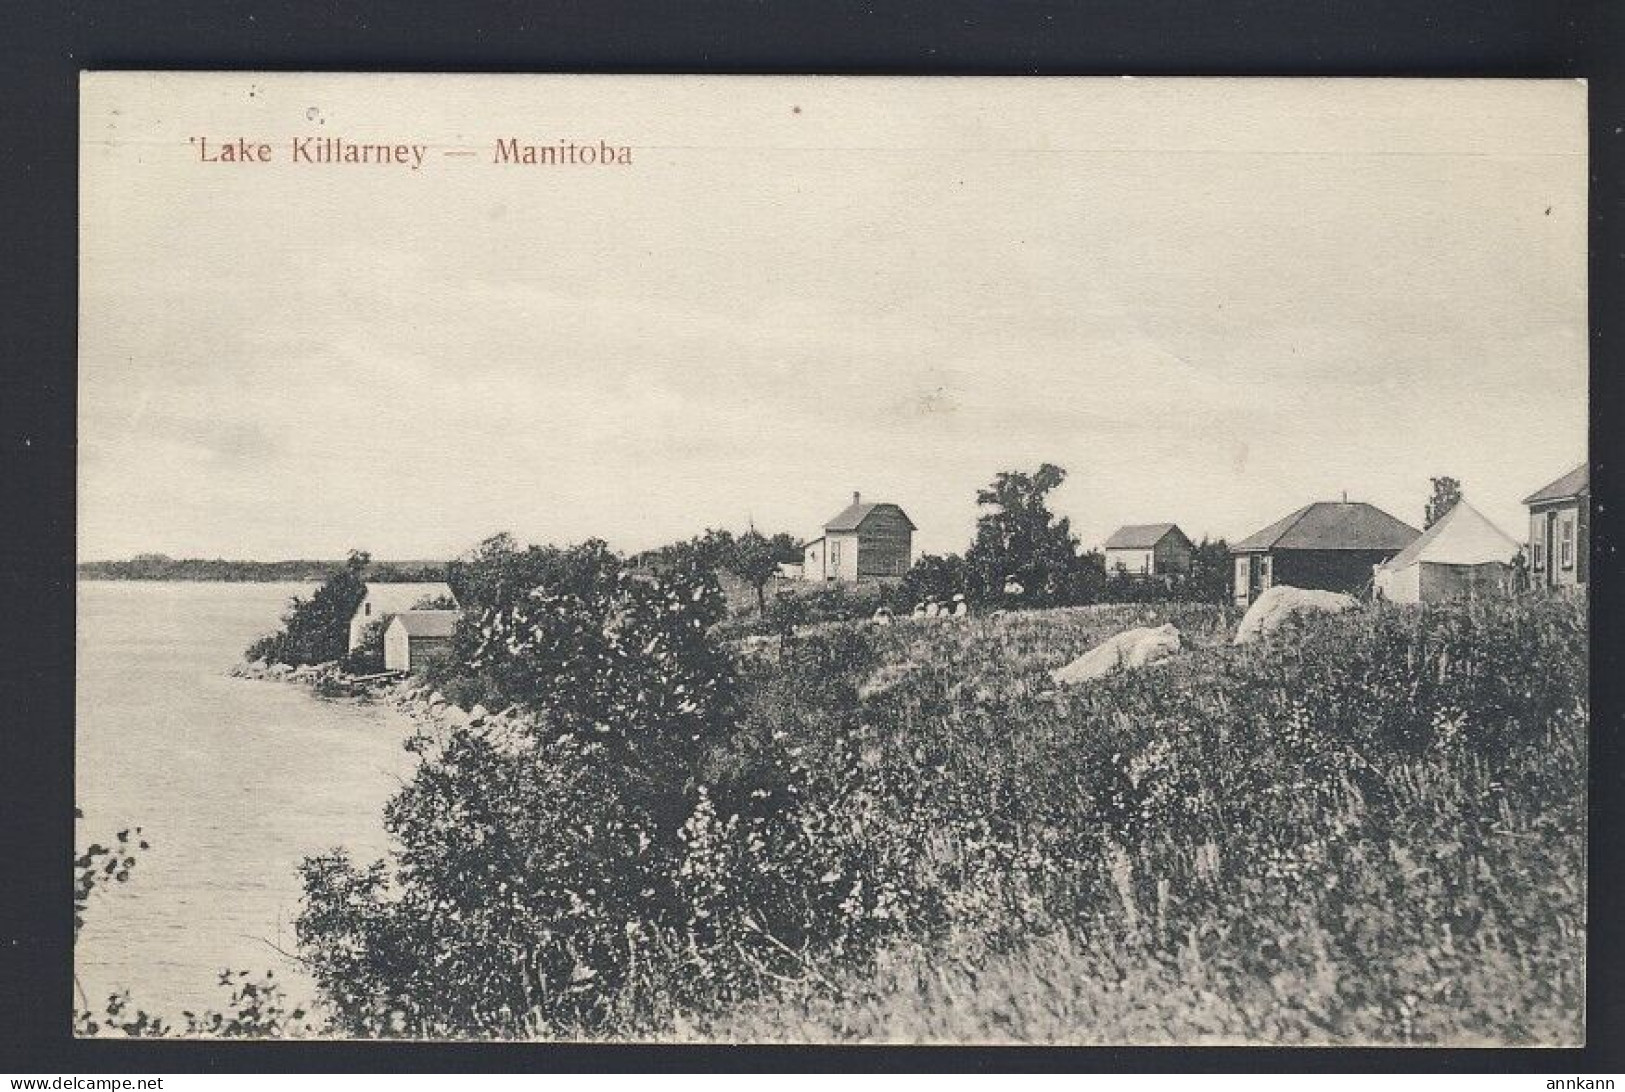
(1446, 495)
(712, 550)
(499, 572)
(599, 648)
(1021, 544)
(316, 630)
(752, 556)
(785, 546)
(753, 561)
(1210, 572)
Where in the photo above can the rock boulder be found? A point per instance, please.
(1277, 605)
(1129, 650)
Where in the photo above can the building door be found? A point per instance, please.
(1252, 577)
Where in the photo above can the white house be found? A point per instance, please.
(860, 542)
(384, 599)
(1150, 549)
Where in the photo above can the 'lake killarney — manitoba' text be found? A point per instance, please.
(341, 151)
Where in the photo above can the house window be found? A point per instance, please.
(1567, 543)
(368, 610)
(1264, 571)
(1538, 555)
(835, 555)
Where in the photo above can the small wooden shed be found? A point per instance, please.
(415, 636)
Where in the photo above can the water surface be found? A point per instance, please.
(233, 781)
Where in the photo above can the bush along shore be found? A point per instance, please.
(1366, 828)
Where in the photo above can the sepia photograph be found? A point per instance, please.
(832, 560)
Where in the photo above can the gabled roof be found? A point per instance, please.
(1332, 525)
(427, 623)
(393, 598)
(1462, 536)
(852, 516)
(1141, 536)
(1573, 484)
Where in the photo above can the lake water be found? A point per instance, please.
(233, 781)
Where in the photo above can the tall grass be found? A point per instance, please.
(1370, 830)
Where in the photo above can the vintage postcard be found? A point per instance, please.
(756, 559)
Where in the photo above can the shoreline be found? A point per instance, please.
(419, 701)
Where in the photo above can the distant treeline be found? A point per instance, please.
(160, 567)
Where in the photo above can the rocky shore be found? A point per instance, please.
(426, 706)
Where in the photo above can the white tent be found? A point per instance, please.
(1462, 554)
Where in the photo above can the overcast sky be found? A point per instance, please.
(1211, 302)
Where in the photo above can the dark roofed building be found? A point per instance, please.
(1560, 531)
(1149, 549)
(1330, 545)
(861, 542)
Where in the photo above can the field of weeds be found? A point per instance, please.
(1365, 829)
(1370, 829)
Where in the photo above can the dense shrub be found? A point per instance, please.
(814, 605)
(317, 630)
(1366, 829)
(934, 578)
(520, 896)
(535, 877)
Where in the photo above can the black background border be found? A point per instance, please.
(45, 43)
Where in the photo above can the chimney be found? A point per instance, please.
(1345, 496)
(857, 498)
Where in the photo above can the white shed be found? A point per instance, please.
(413, 635)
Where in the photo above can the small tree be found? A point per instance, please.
(752, 560)
(786, 547)
(1446, 495)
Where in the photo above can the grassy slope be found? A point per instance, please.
(1371, 831)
